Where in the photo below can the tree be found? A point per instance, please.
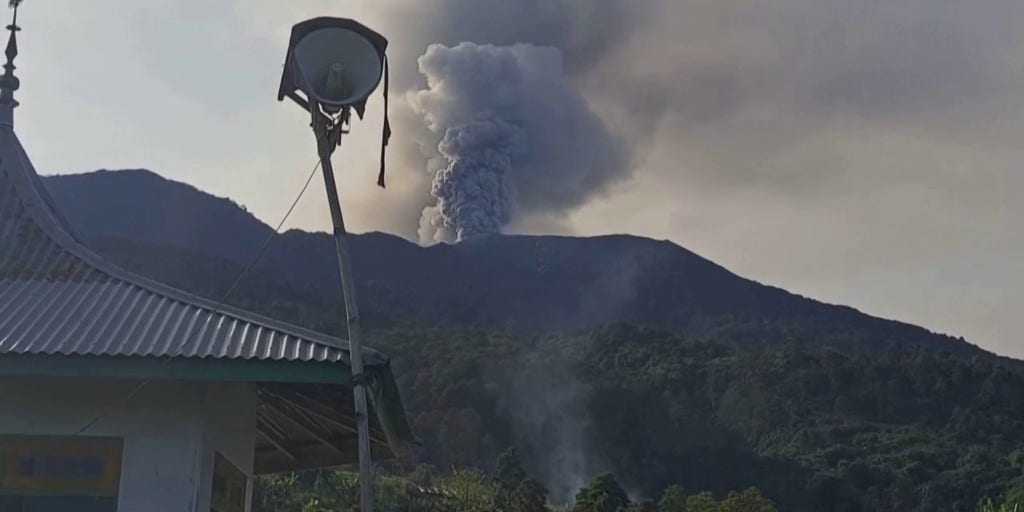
(673, 500)
(749, 500)
(510, 469)
(702, 502)
(471, 491)
(519, 492)
(531, 496)
(278, 492)
(645, 506)
(987, 505)
(1015, 496)
(604, 494)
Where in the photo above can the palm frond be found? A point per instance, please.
(14, 3)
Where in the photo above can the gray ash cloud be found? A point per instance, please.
(516, 138)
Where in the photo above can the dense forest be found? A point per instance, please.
(676, 417)
(689, 415)
(810, 429)
(688, 389)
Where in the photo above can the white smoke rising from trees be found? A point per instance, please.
(547, 407)
(516, 138)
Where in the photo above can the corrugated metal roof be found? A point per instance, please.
(58, 297)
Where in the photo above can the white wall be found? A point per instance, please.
(170, 431)
(229, 426)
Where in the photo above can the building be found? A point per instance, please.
(119, 393)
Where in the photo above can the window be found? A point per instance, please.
(229, 487)
(57, 474)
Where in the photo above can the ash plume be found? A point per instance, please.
(516, 138)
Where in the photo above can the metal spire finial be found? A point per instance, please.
(8, 82)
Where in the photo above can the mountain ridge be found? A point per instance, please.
(551, 281)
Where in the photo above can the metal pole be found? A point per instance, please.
(326, 145)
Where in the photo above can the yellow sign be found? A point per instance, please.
(60, 466)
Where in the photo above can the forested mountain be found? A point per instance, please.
(520, 282)
(616, 354)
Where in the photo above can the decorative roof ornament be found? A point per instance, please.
(8, 82)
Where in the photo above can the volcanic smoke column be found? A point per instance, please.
(516, 139)
(472, 192)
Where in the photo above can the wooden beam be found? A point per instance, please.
(300, 419)
(333, 417)
(278, 443)
(263, 415)
(311, 455)
(328, 414)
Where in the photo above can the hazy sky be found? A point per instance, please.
(863, 152)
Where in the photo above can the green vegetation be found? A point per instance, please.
(794, 425)
(990, 506)
(813, 428)
(604, 494)
(805, 413)
(423, 490)
(474, 491)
